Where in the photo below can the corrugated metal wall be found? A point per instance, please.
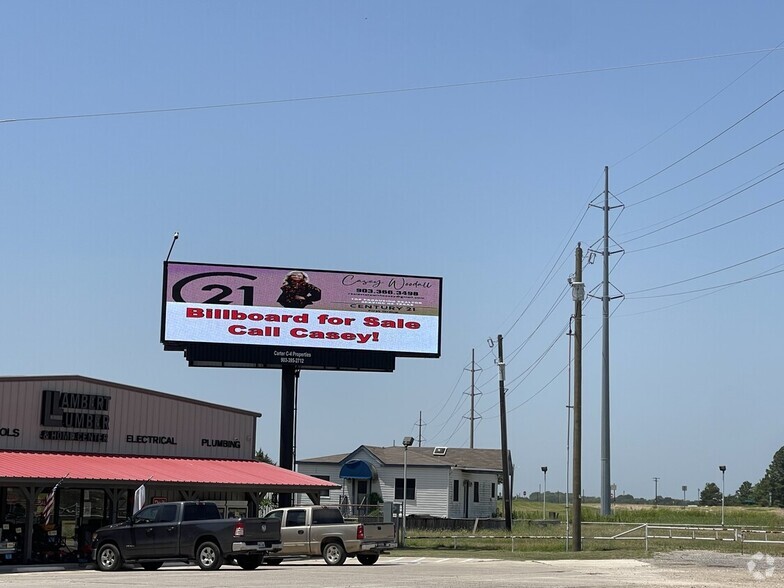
(139, 422)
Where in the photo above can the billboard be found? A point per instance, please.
(292, 307)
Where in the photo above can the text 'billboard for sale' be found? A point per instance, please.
(292, 307)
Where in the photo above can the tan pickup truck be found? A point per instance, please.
(320, 531)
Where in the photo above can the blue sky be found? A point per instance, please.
(481, 183)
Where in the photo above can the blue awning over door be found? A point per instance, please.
(356, 469)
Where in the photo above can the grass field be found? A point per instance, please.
(683, 528)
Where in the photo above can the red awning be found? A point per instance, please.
(49, 468)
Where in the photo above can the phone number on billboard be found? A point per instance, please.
(398, 292)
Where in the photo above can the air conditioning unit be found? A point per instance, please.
(439, 450)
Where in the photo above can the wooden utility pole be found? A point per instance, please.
(578, 293)
(504, 446)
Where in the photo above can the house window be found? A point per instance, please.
(410, 488)
(324, 492)
(456, 490)
(476, 491)
(492, 489)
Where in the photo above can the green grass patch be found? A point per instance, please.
(534, 538)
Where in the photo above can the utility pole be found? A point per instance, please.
(606, 351)
(472, 413)
(569, 408)
(472, 399)
(504, 447)
(656, 491)
(605, 424)
(578, 295)
(420, 429)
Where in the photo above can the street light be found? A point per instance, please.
(407, 442)
(544, 496)
(723, 469)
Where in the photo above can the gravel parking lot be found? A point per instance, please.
(698, 569)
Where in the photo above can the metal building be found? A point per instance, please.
(98, 442)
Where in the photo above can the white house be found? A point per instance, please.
(441, 482)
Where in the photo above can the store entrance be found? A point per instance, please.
(69, 537)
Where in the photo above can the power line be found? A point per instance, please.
(459, 404)
(708, 273)
(527, 371)
(524, 375)
(451, 393)
(543, 388)
(226, 105)
(716, 291)
(662, 193)
(706, 143)
(751, 279)
(555, 267)
(551, 273)
(719, 197)
(721, 201)
(554, 305)
(708, 229)
(709, 100)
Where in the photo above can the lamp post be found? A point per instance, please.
(407, 442)
(544, 496)
(723, 469)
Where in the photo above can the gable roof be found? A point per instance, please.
(487, 460)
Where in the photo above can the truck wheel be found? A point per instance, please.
(208, 556)
(108, 558)
(368, 559)
(334, 554)
(151, 566)
(248, 562)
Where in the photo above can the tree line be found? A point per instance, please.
(769, 491)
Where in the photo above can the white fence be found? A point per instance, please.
(645, 532)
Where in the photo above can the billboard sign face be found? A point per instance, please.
(289, 307)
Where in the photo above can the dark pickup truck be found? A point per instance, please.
(185, 531)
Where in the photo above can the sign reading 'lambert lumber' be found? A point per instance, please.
(301, 308)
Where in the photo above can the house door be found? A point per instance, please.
(361, 496)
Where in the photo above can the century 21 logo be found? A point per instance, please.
(223, 291)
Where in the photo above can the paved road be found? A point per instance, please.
(420, 573)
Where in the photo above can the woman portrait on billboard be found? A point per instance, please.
(297, 291)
